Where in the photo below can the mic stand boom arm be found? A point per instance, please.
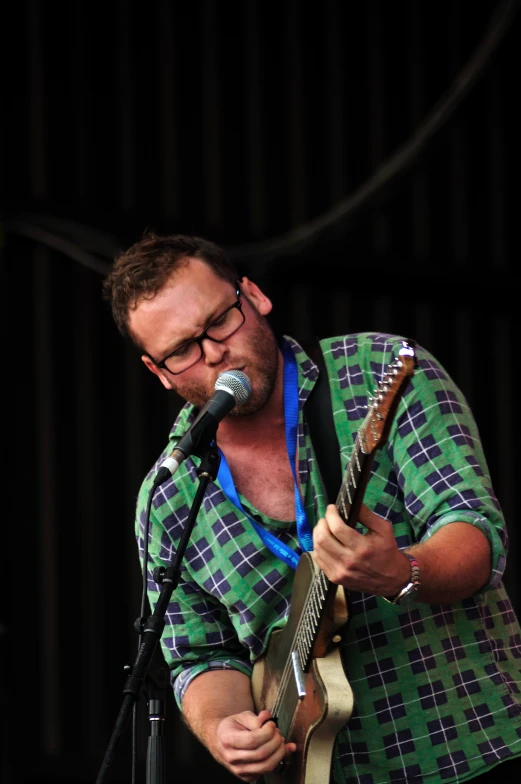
(152, 628)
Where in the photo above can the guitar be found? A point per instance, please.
(300, 678)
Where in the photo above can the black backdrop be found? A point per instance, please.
(357, 159)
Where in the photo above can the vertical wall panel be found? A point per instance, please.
(35, 94)
(169, 139)
(380, 224)
(81, 106)
(213, 184)
(337, 140)
(419, 220)
(294, 127)
(46, 536)
(495, 193)
(87, 610)
(256, 157)
(458, 149)
(126, 80)
(505, 436)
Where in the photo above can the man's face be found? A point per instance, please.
(194, 297)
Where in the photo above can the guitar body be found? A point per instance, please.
(311, 721)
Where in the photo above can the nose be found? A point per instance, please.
(213, 352)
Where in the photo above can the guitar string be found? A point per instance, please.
(319, 586)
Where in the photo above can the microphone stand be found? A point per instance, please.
(156, 684)
(151, 629)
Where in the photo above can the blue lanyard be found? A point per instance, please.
(224, 476)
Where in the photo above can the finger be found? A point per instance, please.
(325, 544)
(349, 536)
(375, 523)
(257, 753)
(250, 770)
(265, 716)
(248, 735)
(332, 530)
(339, 528)
(252, 721)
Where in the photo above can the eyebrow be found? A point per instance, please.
(207, 322)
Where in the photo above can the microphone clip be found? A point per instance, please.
(206, 450)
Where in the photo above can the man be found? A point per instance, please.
(434, 681)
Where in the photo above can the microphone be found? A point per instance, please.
(233, 387)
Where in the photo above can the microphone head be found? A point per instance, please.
(237, 383)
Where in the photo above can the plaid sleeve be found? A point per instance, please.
(187, 675)
(198, 634)
(440, 465)
(432, 471)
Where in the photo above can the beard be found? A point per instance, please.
(262, 346)
(260, 354)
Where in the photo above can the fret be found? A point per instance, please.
(325, 584)
(321, 587)
(316, 608)
(356, 455)
(307, 634)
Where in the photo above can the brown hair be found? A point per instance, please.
(142, 270)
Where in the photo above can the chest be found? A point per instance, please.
(264, 478)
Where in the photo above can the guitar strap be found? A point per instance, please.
(318, 413)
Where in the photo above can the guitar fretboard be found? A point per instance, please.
(321, 586)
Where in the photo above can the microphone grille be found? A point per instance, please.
(236, 382)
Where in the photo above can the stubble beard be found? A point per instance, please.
(264, 368)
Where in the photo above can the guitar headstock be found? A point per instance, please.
(385, 399)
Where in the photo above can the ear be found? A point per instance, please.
(162, 376)
(256, 297)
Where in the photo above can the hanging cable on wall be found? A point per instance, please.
(96, 250)
(398, 164)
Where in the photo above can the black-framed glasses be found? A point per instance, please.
(222, 327)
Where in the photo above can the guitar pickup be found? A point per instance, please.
(299, 675)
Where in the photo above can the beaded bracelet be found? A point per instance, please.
(409, 590)
(415, 570)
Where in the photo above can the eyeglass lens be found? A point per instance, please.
(219, 330)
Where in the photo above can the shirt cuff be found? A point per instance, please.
(181, 682)
(497, 545)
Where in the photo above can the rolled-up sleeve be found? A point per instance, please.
(439, 461)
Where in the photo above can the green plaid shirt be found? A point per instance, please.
(436, 687)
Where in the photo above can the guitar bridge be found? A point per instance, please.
(299, 675)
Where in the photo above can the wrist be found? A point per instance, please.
(402, 575)
(410, 586)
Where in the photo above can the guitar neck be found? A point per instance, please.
(312, 637)
(351, 493)
(316, 622)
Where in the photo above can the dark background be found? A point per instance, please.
(358, 159)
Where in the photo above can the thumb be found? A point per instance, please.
(265, 716)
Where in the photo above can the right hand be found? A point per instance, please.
(250, 745)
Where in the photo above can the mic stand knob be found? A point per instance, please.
(159, 573)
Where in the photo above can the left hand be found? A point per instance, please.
(369, 562)
(250, 745)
